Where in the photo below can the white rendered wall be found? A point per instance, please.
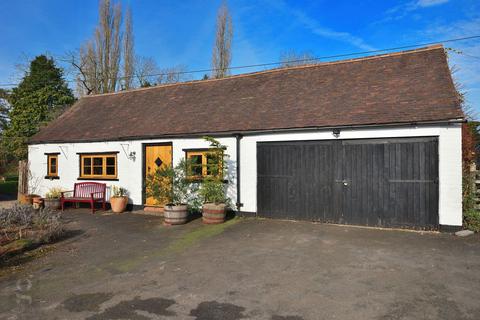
(450, 162)
(130, 171)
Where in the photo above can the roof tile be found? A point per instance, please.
(410, 86)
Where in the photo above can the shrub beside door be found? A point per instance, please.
(170, 184)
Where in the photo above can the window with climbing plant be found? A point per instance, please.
(201, 164)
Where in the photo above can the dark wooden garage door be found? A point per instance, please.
(373, 182)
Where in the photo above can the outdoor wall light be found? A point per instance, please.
(336, 132)
(132, 155)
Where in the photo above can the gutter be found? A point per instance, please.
(239, 204)
(258, 132)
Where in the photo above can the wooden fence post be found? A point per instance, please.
(22, 179)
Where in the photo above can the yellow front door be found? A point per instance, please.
(156, 156)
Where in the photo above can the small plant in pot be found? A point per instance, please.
(119, 199)
(52, 198)
(213, 189)
(170, 185)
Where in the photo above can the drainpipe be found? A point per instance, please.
(239, 204)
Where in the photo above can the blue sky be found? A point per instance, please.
(181, 32)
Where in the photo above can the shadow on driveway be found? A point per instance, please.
(131, 266)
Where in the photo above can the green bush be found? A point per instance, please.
(213, 191)
(171, 185)
(471, 216)
(471, 220)
(8, 187)
(213, 187)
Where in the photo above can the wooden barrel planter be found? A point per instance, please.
(174, 215)
(213, 213)
(52, 203)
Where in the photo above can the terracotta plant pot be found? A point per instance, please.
(37, 202)
(29, 198)
(213, 213)
(174, 215)
(53, 203)
(118, 204)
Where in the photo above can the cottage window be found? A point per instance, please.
(98, 166)
(201, 164)
(52, 165)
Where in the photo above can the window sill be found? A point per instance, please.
(52, 177)
(97, 178)
(200, 180)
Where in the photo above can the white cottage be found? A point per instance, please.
(371, 141)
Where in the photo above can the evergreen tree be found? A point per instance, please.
(39, 97)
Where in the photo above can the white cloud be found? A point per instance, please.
(401, 11)
(430, 3)
(316, 28)
(322, 31)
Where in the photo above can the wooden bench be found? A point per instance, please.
(86, 192)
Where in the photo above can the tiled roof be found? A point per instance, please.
(402, 87)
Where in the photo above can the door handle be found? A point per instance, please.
(344, 182)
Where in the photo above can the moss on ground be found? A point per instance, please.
(195, 236)
(19, 261)
(186, 241)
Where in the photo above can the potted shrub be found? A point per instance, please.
(52, 198)
(118, 199)
(170, 185)
(213, 189)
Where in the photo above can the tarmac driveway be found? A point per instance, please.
(130, 266)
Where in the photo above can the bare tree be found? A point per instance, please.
(172, 75)
(292, 58)
(145, 67)
(97, 63)
(128, 54)
(88, 72)
(222, 55)
(147, 73)
(108, 38)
